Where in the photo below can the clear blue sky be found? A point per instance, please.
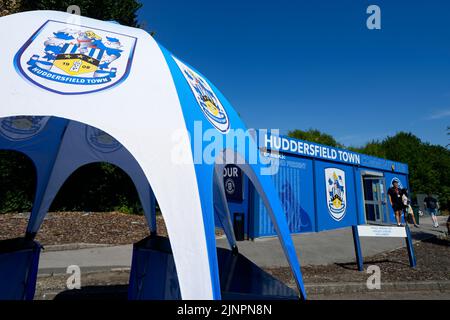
(313, 64)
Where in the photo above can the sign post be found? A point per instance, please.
(382, 232)
(358, 253)
(409, 245)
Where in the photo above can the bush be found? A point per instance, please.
(94, 187)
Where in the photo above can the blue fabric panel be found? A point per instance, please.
(38, 138)
(153, 275)
(242, 279)
(193, 116)
(81, 145)
(18, 269)
(33, 272)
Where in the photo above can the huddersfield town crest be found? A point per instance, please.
(336, 193)
(72, 59)
(206, 98)
(22, 127)
(101, 141)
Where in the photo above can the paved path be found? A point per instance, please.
(326, 247)
(313, 249)
(91, 259)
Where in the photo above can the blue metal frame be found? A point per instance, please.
(409, 246)
(358, 253)
(357, 244)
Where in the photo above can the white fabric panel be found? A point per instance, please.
(142, 113)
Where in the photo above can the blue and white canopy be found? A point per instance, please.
(57, 148)
(178, 127)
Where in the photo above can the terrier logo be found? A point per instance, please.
(210, 105)
(72, 59)
(336, 193)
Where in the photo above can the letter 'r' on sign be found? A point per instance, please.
(374, 20)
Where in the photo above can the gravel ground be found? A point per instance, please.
(110, 284)
(76, 227)
(433, 264)
(433, 255)
(113, 228)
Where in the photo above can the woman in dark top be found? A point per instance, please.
(395, 198)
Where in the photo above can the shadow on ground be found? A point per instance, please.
(438, 241)
(354, 267)
(112, 292)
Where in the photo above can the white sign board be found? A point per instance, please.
(382, 231)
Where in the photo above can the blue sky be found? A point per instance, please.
(314, 64)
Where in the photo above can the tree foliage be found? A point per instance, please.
(104, 187)
(429, 165)
(122, 11)
(94, 187)
(9, 7)
(17, 182)
(316, 136)
(98, 187)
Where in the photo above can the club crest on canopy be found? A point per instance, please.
(101, 141)
(72, 59)
(209, 104)
(22, 127)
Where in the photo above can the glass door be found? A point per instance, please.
(374, 199)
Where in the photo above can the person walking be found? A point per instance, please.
(407, 209)
(395, 198)
(431, 206)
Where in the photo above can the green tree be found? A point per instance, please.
(9, 7)
(428, 164)
(374, 148)
(448, 134)
(104, 186)
(122, 11)
(17, 182)
(98, 187)
(314, 135)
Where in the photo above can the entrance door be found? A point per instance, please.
(375, 199)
